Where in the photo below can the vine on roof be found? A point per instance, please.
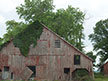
(28, 36)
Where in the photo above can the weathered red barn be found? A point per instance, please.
(53, 58)
(105, 68)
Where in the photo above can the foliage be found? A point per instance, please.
(68, 24)
(65, 22)
(81, 75)
(27, 37)
(33, 10)
(1, 41)
(13, 28)
(100, 77)
(99, 39)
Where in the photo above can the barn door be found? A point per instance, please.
(5, 74)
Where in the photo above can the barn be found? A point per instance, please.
(105, 68)
(51, 59)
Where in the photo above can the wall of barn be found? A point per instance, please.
(106, 69)
(49, 61)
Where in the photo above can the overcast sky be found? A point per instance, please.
(95, 10)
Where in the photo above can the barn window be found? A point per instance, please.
(76, 59)
(6, 68)
(33, 69)
(57, 43)
(66, 70)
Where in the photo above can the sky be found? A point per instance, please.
(95, 10)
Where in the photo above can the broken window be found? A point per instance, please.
(76, 59)
(33, 69)
(57, 43)
(6, 68)
(67, 70)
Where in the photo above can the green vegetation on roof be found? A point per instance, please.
(28, 36)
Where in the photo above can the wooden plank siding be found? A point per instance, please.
(106, 69)
(49, 61)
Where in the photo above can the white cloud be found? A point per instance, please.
(8, 12)
(2, 19)
(62, 3)
(6, 5)
(9, 5)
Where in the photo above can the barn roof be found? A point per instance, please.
(60, 38)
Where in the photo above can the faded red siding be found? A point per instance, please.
(49, 61)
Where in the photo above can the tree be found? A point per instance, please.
(33, 10)
(66, 23)
(0, 40)
(13, 28)
(99, 39)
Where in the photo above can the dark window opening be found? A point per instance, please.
(57, 43)
(33, 69)
(6, 68)
(67, 70)
(0, 74)
(76, 59)
(12, 75)
(0, 70)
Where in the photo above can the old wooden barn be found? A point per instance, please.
(52, 58)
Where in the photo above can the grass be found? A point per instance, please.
(100, 77)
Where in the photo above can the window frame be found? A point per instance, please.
(66, 70)
(6, 68)
(77, 59)
(57, 43)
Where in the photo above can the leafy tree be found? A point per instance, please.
(67, 23)
(99, 39)
(13, 28)
(33, 10)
